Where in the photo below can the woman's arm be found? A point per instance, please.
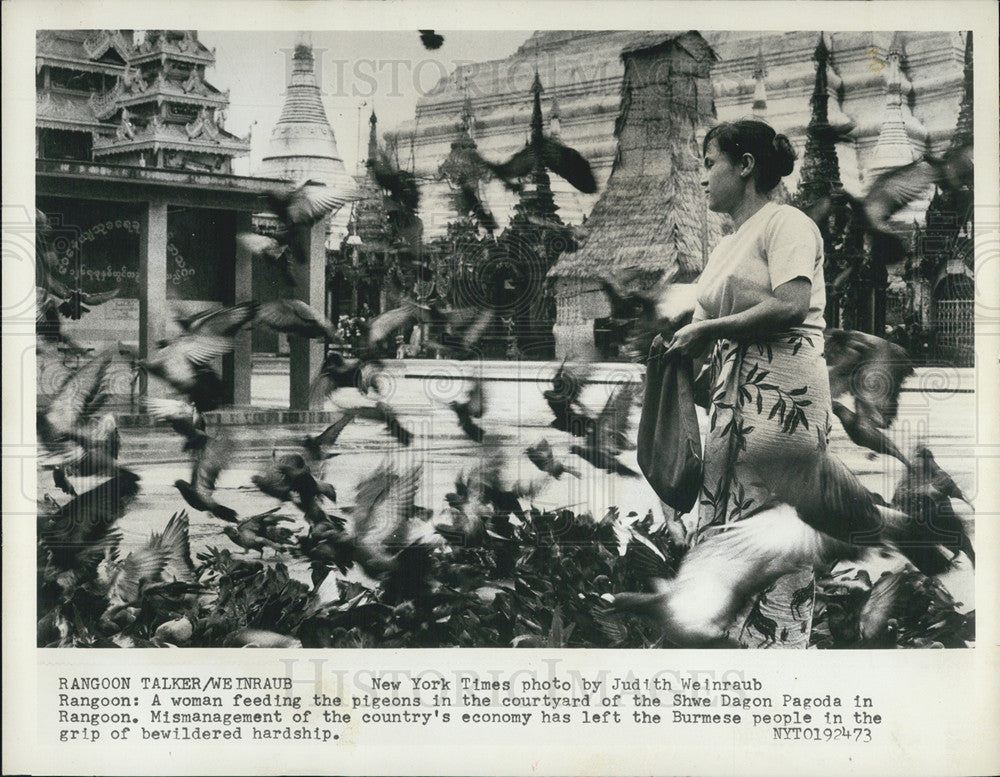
(786, 308)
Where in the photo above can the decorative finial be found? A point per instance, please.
(760, 66)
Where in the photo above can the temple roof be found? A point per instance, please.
(181, 45)
(690, 41)
(206, 139)
(104, 51)
(65, 110)
(651, 218)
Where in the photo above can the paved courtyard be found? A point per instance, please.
(938, 408)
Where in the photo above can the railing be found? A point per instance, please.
(954, 323)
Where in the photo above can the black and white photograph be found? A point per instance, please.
(398, 404)
(567, 340)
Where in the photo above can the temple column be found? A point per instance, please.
(306, 356)
(242, 357)
(153, 309)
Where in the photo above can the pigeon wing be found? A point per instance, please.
(569, 164)
(896, 189)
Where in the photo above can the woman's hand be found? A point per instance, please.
(690, 339)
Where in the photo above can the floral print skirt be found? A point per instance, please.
(767, 397)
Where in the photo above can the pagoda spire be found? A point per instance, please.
(372, 136)
(468, 121)
(302, 143)
(759, 107)
(963, 131)
(950, 226)
(537, 125)
(820, 169)
(302, 100)
(537, 200)
(893, 148)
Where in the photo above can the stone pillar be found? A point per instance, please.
(306, 356)
(576, 310)
(242, 357)
(153, 311)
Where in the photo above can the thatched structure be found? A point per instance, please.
(651, 224)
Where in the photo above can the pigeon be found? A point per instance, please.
(380, 519)
(897, 188)
(456, 331)
(183, 418)
(339, 372)
(918, 496)
(166, 557)
(941, 480)
(486, 484)
(472, 407)
(468, 200)
(431, 40)
(818, 512)
(463, 521)
(608, 434)
(71, 303)
(223, 321)
(273, 481)
(555, 156)
(77, 535)
(295, 317)
(383, 412)
(870, 369)
(258, 532)
(184, 362)
(91, 451)
(199, 493)
(314, 446)
(907, 608)
(77, 302)
(889, 193)
(299, 209)
(401, 201)
(326, 545)
(563, 398)
(79, 442)
(540, 454)
(640, 305)
(48, 325)
(80, 394)
(450, 328)
(277, 256)
(864, 433)
(300, 480)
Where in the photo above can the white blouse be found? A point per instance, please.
(776, 244)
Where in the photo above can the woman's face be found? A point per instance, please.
(721, 181)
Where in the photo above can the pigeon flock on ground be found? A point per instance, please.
(156, 596)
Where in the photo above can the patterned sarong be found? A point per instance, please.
(768, 397)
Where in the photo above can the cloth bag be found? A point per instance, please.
(668, 447)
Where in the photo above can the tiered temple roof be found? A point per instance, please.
(133, 102)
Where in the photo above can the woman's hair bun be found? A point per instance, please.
(773, 152)
(784, 155)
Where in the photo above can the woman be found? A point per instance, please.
(760, 300)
